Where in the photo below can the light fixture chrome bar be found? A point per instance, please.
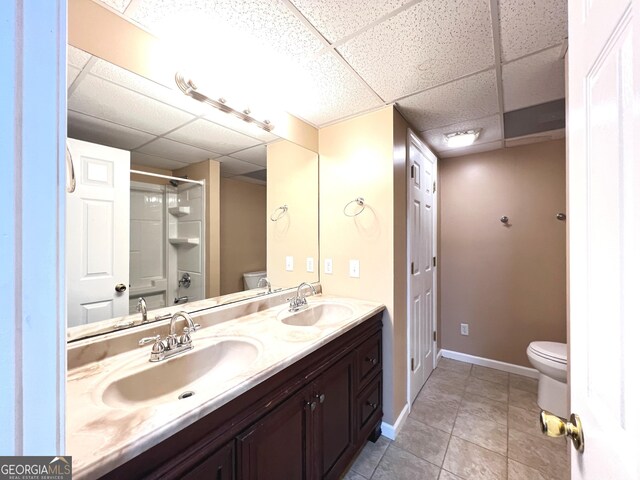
(168, 177)
(189, 88)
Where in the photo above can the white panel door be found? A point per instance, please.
(422, 164)
(97, 234)
(604, 234)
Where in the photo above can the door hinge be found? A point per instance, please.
(435, 263)
(434, 187)
(435, 336)
(413, 171)
(412, 364)
(413, 270)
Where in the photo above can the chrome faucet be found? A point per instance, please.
(267, 283)
(300, 301)
(142, 308)
(173, 345)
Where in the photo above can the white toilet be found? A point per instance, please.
(251, 279)
(550, 359)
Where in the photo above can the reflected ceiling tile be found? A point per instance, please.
(533, 80)
(233, 123)
(72, 74)
(179, 152)
(210, 136)
(90, 129)
(103, 99)
(336, 19)
(256, 155)
(76, 57)
(491, 131)
(138, 158)
(119, 5)
(430, 43)
(485, 147)
(472, 97)
(527, 27)
(231, 166)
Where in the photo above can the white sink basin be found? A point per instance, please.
(168, 380)
(321, 314)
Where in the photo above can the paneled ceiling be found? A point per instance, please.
(448, 65)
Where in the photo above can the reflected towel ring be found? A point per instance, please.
(275, 216)
(359, 201)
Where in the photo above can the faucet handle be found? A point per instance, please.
(146, 340)
(196, 326)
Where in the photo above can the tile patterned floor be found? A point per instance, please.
(468, 423)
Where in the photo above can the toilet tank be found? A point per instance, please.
(251, 279)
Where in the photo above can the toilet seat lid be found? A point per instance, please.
(554, 351)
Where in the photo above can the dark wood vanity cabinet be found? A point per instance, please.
(306, 422)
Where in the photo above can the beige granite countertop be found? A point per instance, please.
(103, 435)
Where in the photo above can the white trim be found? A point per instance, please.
(391, 431)
(168, 177)
(487, 362)
(438, 357)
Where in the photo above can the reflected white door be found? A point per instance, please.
(422, 165)
(97, 234)
(604, 234)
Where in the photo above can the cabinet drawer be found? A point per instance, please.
(369, 359)
(219, 466)
(369, 406)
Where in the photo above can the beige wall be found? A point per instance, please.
(209, 171)
(507, 283)
(365, 156)
(292, 180)
(243, 232)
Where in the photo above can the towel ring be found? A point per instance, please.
(359, 201)
(275, 216)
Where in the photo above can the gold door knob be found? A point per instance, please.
(554, 426)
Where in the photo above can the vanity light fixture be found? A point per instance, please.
(189, 88)
(462, 139)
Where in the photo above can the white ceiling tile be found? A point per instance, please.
(119, 5)
(430, 43)
(479, 148)
(103, 99)
(533, 80)
(465, 99)
(491, 131)
(177, 151)
(233, 123)
(210, 136)
(138, 158)
(72, 74)
(335, 19)
(529, 26)
(256, 155)
(231, 166)
(90, 129)
(76, 57)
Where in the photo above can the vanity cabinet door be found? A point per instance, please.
(219, 466)
(278, 446)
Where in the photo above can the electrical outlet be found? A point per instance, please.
(354, 268)
(288, 263)
(464, 329)
(328, 266)
(309, 264)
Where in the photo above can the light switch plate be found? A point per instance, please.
(309, 264)
(328, 266)
(354, 268)
(288, 263)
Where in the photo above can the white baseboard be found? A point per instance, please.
(438, 356)
(390, 431)
(487, 362)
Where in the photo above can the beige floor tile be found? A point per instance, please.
(444, 475)
(523, 399)
(518, 471)
(491, 390)
(470, 461)
(523, 383)
(370, 456)
(398, 464)
(524, 420)
(436, 413)
(449, 377)
(440, 390)
(454, 365)
(546, 455)
(485, 408)
(351, 475)
(428, 443)
(490, 374)
(484, 433)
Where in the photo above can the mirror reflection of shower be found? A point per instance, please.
(166, 251)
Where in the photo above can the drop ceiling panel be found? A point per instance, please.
(256, 155)
(102, 99)
(527, 27)
(336, 19)
(72, 74)
(119, 5)
(76, 57)
(213, 137)
(465, 99)
(177, 151)
(90, 129)
(533, 80)
(138, 158)
(485, 147)
(425, 45)
(491, 132)
(230, 167)
(233, 123)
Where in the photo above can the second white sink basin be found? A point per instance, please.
(317, 315)
(183, 375)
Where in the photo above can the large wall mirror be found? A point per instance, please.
(176, 202)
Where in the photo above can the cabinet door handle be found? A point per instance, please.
(320, 397)
(372, 405)
(371, 360)
(312, 405)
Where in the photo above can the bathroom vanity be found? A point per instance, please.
(305, 397)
